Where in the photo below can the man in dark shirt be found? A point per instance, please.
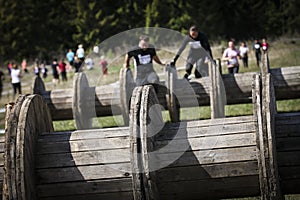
(199, 49)
(143, 56)
(257, 49)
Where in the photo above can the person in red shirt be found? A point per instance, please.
(62, 69)
(265, 45)
(103, 64)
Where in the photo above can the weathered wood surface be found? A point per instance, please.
(209, 155)
(287, 130)
(217, 92)
(2, 144)
(265, 110)
(29, 117)
(172, 103)
(83, 105)
(94, 164)
(237, 89)
(207, 159)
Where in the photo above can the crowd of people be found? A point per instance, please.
(199, 55)
(59, 68)
(144, 54)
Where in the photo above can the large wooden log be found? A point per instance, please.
(207, 159)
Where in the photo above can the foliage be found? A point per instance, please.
(32, 28)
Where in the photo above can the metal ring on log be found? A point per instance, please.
(172, 104)
(29, 117)
(127, 85)
(83, 102)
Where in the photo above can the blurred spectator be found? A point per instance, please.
(16, 79)
(44, 70)
(70, 56)
(54, 67)
(103, 64)
(244, 53)
(24, 65)
(36, 69)
(89, 63)
(231, 55)
(62, 70)
(257, 47)
(9, 67)
(80, 52)
(264, 44)
(77, 64)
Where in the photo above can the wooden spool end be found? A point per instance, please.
(29, 117)
(83, 105)
(264, 112)
(127, 85)
(38, 86)
(172, 104)
(145, 117)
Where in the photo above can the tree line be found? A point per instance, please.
(34, 28)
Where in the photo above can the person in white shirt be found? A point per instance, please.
(80, 52)
(231, 55)
(15, 75)
(244, 53)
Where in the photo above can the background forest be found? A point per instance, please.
(34, 28)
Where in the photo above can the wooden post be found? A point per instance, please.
(83, 105)
(127, 85)
(217, 93)
(135, 144)
(219, 65)
(37, 86)
(264, 112)
(265, 63)
(269, 110)
(142, 142)
(172, 104)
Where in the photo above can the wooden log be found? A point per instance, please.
(207, 159)
(196, 93)
(82, 166)
(178, 151)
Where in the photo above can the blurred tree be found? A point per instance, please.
(33, 28)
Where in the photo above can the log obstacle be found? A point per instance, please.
(113, 99)
(209, 159)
